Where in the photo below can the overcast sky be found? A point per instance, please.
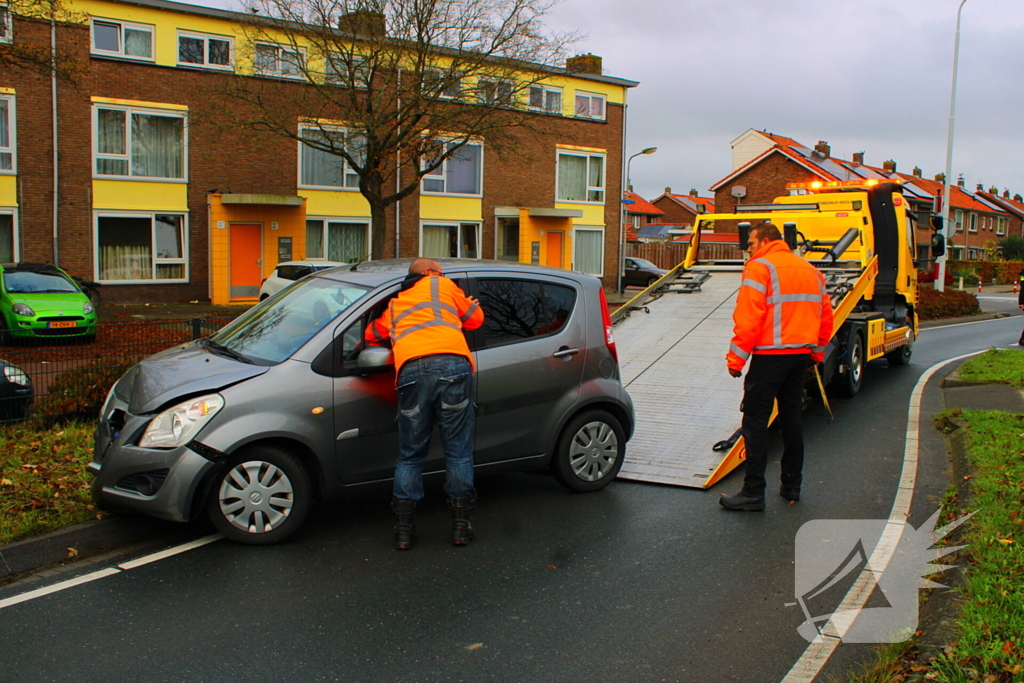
(864, 75)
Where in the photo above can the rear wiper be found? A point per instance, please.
(207, 343)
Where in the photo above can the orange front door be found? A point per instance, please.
(555, 249)
(246, 241)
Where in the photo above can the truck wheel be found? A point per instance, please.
(901, 356)
(849, 382)
(260, 497)
(590, 451)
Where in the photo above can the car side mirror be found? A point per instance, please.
(375, 360)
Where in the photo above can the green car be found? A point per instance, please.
(40, 300)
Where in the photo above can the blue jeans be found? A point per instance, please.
(440, 390)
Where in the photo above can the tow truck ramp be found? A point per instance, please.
(672, 362)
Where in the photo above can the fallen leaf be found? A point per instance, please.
(72, 553)
(551, 566)
(6, 482)
(1006, 540)
(474, 646)
(1007, 647)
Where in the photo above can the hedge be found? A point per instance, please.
(80, 393)
(951, 303)
(1004, 272)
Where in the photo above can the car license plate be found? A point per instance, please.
(61, 323)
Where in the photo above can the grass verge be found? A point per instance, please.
(1003, 366)
(43, 482)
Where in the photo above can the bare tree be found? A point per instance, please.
(19, 55)
(393, 88)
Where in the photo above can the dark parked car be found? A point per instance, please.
(640, 272)
(15, 392)
(286, 405)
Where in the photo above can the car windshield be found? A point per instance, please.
(273, 330)
(28, 282)
(643, 263)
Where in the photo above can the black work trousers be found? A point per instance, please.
(772, 377)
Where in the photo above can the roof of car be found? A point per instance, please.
(31, 267)
(377, 272)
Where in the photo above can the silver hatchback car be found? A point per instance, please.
(286, 406)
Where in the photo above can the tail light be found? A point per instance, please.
(609, 337)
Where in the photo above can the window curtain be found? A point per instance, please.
(589, 251)
(138, 43)
(6, 158)
(346, 242)
(437, 241)
(314, 239)
(572, 177)
(596, 179)
(318, 167)
(110, 139)
(125, 248)
(157, 146)
(6, 238)
(463, 171)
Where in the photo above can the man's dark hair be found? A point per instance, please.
(767, 232)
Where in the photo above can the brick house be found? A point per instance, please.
(145, 197)
(683, 208)
(763, 164)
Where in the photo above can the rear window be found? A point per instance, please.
(293, 272)
(516, 310)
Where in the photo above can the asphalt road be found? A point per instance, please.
(635, 583)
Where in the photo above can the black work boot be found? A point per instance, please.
(790, 493)
(742, 501)
(405, 523)
(462, 519)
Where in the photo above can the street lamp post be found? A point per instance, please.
(622, 220)
(940, 281)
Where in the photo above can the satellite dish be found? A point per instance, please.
(739, 191)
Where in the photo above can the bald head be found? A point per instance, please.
(422, 265)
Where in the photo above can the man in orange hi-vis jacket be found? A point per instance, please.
(782, 322)
(435, 386)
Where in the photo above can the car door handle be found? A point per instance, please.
(565, 353)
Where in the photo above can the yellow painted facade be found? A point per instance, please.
(451, 208)
(139, 196)
(335, 203)
(535, 229)
(8, 190)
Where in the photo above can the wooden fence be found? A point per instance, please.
(668, 255)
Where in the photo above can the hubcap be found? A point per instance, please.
(856, 365)
(594, 451)
(256, 496)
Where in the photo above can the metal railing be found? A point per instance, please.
(67, 372)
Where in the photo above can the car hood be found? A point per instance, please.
(186, 370)
(69, 302)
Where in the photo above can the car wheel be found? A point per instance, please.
(260, 497)
(264, 297)
(901, 356)
(652, 280)
(849, 382)
(590, 451)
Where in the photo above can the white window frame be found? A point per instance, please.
(339, 219)
(588, 228)
(544, 90)
(458, 226)
(361, 80)
(441, 173)
(346, 168)
(206, 38)
(13, 213)
(151, 215)
(7, 23)
(129, 111)
(1001, 226)
(490, 85)
(12, 129)
(278, 73)
(122, 25)
(439, 76)
(591, 96)
(958, 216)
(590, 188)
(972, 222)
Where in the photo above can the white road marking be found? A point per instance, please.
(109, 571)
(946, 327)
(810, 664)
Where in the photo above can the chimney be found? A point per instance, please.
(940, 177)
(1018, 198)
(858, 158)
(584, 64)
(668, 190)
(693, 193)
(979, 187)
(918, 171)
(362, 23)
(1006, 193)
(822, 148)
(994, 190)
(960, 182)
(889, 166)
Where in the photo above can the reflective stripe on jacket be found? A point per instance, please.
(426, 319)
(782, 307)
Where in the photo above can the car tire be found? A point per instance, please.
(261, 496)
(901, 356)
(652, 280)
(848, 384)
(589, 452)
